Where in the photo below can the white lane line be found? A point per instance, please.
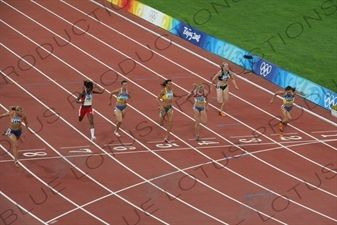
(294, 144)
(32, 150)
(283, 134)
(161, 141)
(68, 147)
(124, 144)
(243, 136)
(202, 138)
(324, 131)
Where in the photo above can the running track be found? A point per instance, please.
(241, 172)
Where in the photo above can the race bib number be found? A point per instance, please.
(88, 100)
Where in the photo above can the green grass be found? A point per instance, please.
(308, 47)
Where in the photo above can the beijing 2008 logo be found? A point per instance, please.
(152, 15)
(265, 69)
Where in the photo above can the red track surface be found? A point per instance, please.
(67, 179)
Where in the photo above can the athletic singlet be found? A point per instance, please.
(224, 76)
(200, 98)
(86, 99)
(123, 97)
(288, 99)
(15, 119)
(167, 95)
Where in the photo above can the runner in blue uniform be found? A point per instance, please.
(14, 132)
(123, 96)
(288, 98)
(200, 106)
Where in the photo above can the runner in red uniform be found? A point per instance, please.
(85, 98)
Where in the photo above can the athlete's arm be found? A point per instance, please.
(100, 90)
(233, 80)
(189, 95)
(78, 100)
(275, 94)
(130, 97)
(214, 77)
(206, 99)
(25, 120)
(4, 114)
(159, 98)
(115, 92)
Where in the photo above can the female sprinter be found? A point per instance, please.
(15, 131)
(164, 101)
(200, 106)
(123, 95)
(222, 89)
(85, 98)
(288, 95)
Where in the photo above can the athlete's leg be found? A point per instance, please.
(92, 128)
(119, 118)
(197, 119)
(15, 144)
(203, 116)
(91, 120)
(169, 124)
(224, 94)
(81, 113)
(283, 123)
(162, 117)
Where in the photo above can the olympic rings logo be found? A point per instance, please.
(265, 69)
(153, 15)
(330, 100)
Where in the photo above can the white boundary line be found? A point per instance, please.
(292, 144)
(32, 150)
(71, 147)
(326, 131)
